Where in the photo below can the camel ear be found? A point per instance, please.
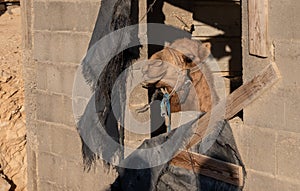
(207, 45)
(205, 50)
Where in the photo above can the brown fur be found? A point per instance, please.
(190, 52)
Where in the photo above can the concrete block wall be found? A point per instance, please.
(269, 140)
(56, 36)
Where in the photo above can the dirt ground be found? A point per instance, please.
(12, 117)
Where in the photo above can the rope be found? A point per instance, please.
(165, 109)
(174, 89)
(176, 59)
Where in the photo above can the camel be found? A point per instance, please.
(178, 68)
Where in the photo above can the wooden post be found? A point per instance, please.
(258, 27)
(143, 31)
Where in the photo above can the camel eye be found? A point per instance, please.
(189, 59)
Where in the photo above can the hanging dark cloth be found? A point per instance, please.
(113, 15)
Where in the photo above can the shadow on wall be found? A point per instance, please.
(223, 15)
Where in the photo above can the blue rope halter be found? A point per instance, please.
(165, 110)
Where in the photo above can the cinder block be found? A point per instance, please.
(43, 133)
(81, 180)
(41, 76)
(262, 150)
(256, 146)
(65, 143)
(62, 15)
(75, 181)
(60, 46)
(54, 108)
(59, 140)
(278, 108)
(49, 107)
(51, 168)
(242, 137)
(284, 26)
(41, 17)
(68, 115)
(72, 176)
(87, 15)
(292, 109)
(47, 185)
(65, 15)
(288, 154)
(252, 65)
(56, 78)
(258, 181)
(287, 59)
(287, 185)
(64, 81)
(268, 110)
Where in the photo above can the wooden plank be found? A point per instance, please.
(235, 102)
(238, 100)
(207, 166)
(258, 27)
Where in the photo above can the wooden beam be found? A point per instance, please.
(238, 100)
(207, 166)
(235, 102)
(258, 27)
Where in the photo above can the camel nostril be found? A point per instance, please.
(188, 60)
